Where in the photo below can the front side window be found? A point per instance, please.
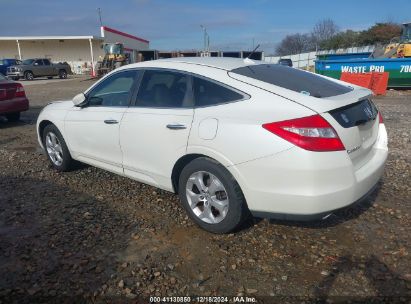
(46, 62)
(38, 62)
(208, 93)
(163, 89)
(113, 91)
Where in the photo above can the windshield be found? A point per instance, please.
(406, 32)
(113, 49)
(28, 61)
(293, 79)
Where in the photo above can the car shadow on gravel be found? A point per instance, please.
(339, 216)
(27, 118)
(55, 241)
(388, 286)
(4, 124)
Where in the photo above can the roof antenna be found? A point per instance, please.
(248, 59)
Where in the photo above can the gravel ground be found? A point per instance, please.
(92, 234)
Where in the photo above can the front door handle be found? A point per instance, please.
(111, 121)
(176, 126)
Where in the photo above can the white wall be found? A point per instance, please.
(306, 60)
(302, 60)
(74, 51)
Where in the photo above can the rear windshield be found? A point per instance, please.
(293, 79)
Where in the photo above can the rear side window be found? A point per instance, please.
(208, 93)
(163, 89)
(293, 79)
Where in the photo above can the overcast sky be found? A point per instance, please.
(172, 25)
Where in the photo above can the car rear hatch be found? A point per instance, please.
(347, 108)
(357, 125)
(7, 90)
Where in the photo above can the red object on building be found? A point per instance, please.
(360, 79)
(108, 29)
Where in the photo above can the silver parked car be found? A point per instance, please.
(38, 67)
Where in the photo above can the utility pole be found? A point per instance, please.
(205, 37)
(99, 16)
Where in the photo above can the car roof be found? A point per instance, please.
(225, 63)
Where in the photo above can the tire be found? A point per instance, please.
(62, 74)
(49, 77)
(13, 117)
(28, 75)
(56, 149)
(15, 78)
(231, 205)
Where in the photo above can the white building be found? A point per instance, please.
(81, 52)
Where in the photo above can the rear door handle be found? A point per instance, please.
(176, 126)
(111, 121)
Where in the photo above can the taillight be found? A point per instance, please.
(19, 91)
(311, 133)
(380, 118)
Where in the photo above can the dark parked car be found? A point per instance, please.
(285, 61)
(5, 63)
(13, 99)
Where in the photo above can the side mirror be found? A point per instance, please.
(79, 99)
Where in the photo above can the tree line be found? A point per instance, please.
(326, 35)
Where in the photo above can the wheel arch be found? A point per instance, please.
(185, 159)
(40, 129)
(42, 125)
(179, 166)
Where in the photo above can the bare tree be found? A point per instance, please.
(294, 44)
(324, 30)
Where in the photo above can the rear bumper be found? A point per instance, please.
(14, 105)
(299, 184)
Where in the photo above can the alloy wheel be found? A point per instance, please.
(54, 149)
(207, 197)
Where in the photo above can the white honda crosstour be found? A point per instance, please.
(232, 137)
